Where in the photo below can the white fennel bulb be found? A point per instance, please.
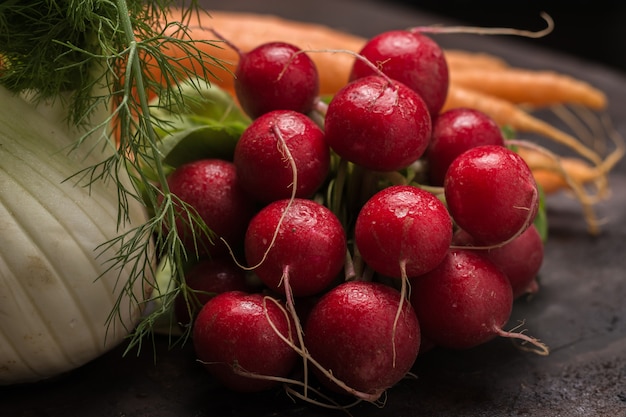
(57, 290)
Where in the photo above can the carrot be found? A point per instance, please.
(555, 173)
(248, 30)
(476, 71)
(479, 81)
(552, 181)
(462, 60)
(335, 67)
(537, 88)
(552, 174)
(506, 113)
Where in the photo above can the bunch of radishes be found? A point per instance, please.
(350, 236)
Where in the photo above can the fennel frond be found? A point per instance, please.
(111, 54)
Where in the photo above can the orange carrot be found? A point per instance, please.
(506, 113)
(552, 181)
(478, 81)
(537, 88)
(334, 67)
(248, 30)
(554, 174)
(489, 74)
(461, 60)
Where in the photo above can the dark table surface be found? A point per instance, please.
(579, 312)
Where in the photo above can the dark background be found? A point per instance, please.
(591, 29)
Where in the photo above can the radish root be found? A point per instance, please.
(538, 347)
(376, 68)
(284, 150)
(553, 164)
(304, 353)
(404, 294)
(596, 174)
(490, 31)
(291, 308)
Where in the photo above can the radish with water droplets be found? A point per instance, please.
(211, 188)
(455, 131)
(242, 339)
(411, 58)
(263, 167)
(491, 193)
(464, 302)
(378, 123)
(520, 259)
(353, 334)
(403, 231)
(276, 76)
(296, 245)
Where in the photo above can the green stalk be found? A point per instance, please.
(135, 65)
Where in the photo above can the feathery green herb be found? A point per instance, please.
(99, 53)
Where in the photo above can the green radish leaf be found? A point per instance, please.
(211, 140)
(208, 127)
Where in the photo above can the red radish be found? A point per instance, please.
(206, 279)
(352, 333)
(412, 58)
(264, 169)
(297, 243)
(464, 302)
(211, 188)
(378, 123)
(403, 231)
(242, 339)
(273, 76)
(520, 259)
(455, 131)
(491, 193)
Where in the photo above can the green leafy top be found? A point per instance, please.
(108, 54)
(57, 46)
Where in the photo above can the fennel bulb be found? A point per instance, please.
(61, 303)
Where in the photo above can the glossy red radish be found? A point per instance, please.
(465, 302)
(266, 171)
(244, 340)
(299, 243)
(211, 188)
(206, 279)
(412, 58)
(276, 76)
(403, 231)
(455, 131)
(520, 259)
(378, 123)
(491, 193)
(353, 336)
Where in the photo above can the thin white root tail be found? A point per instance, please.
(404, 294)
(586, 200)
(284, 150)
(301, 350)
(537, 346)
